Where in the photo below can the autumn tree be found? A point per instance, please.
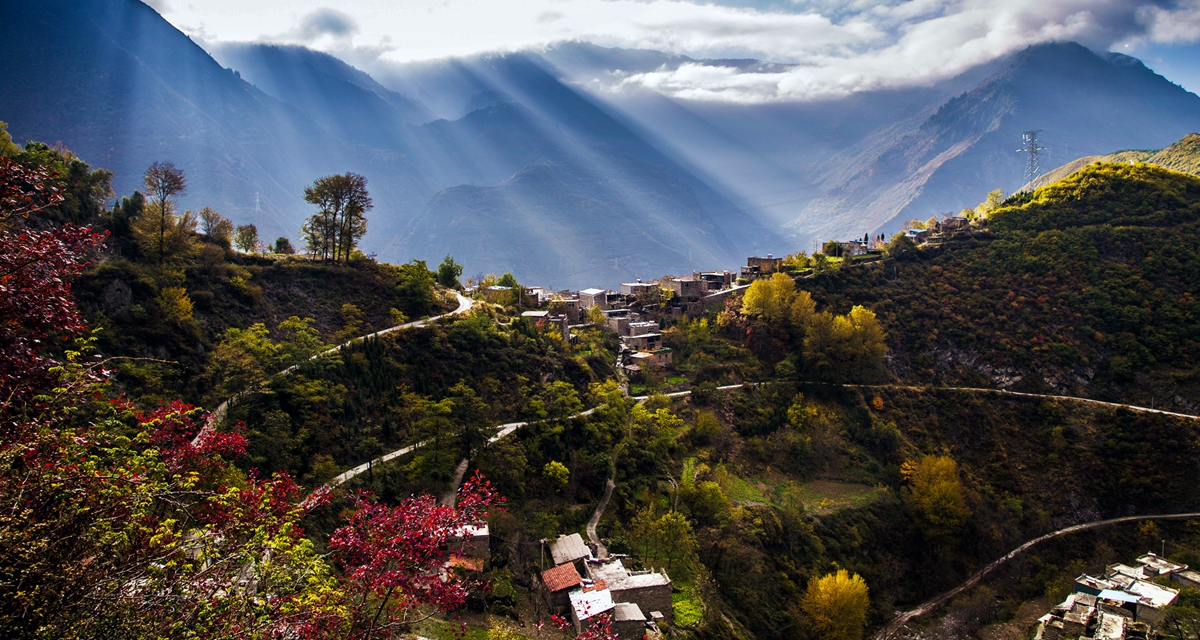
(836, 606)
(392, 557)
(163, 181)
(167, 236)
(245, 238)
(217, 227)
(844, 348)
(770, 298)
(334, 230)
(935, 492)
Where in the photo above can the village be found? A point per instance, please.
(1127, 602)
(635, 311)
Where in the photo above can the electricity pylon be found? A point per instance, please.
(1033, 169)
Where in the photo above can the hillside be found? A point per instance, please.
(1182, 156)
(1095, 279)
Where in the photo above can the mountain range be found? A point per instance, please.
(535, 162)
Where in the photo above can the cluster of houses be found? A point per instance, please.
(952, 226)
(626, 310)
(1127, 602)
(585, 588)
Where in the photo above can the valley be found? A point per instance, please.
(522, 345)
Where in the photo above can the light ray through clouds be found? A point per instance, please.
(833, 47)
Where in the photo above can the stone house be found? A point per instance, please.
(643, 342)
(758, 267)
(686, 289)
(589, 298)
(649, 590)
(638, 289)
(570, 549)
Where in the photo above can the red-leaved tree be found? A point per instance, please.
(393, 558)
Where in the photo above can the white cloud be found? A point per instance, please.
(834, 46)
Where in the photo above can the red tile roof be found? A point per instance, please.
(564, 576)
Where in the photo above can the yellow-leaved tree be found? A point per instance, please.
(936, 494)
(770, 298)
(836, 606)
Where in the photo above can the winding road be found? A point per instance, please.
(217, 416)
(505, 430)
(904, 618)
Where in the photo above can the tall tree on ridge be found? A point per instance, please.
(163, 181)
(333, 232)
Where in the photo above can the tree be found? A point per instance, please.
(557, 473)
(770, 298)
(935, 492)
(448, 272)
(392, 558)
(167, 236)
(414, 288)
(246, 238)
(175, 304)
(334, 231)
(163, 181)
(283, 246)
(218, 228)
(901, 247)
(832, 249)
(836, 606)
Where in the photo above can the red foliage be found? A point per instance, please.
(173, 427)
(36, 304)
(393, 557)
(24, 191)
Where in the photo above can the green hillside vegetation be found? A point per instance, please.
(1183, 156)
(770, 505)
(1086, 287)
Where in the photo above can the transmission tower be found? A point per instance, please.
(1033, 170)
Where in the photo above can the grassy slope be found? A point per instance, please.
(1182, 156)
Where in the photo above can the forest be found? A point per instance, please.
(814, 500)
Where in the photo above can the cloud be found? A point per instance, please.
(160, 6)
(325, 22)
(827, 47)
(907, 43)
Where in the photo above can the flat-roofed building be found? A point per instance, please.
(629, 622)
(649, 590)
(686, 289)
(589, 602)
(638, 289)
(589, 298)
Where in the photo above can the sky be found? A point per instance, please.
(834, 47)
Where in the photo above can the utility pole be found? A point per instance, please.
(1033, 169)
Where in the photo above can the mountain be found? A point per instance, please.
(1081, 101)
(837, 168)
(122, 88)
(338, 96)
